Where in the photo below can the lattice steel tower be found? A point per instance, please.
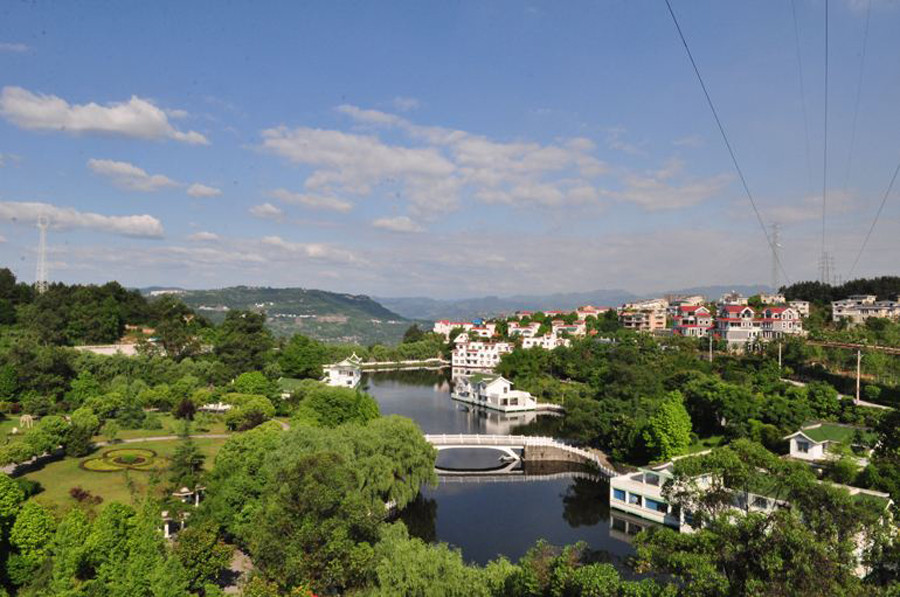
(40, 276)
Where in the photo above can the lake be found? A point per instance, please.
(486, 516)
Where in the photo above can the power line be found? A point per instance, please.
(875, 221)
(802, 94)
(825, 141)
(859, 84)
(737, 166)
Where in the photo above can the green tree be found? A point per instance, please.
(244, 341)
(11, 498)
(413, 334)
(254, 382)
(110, 431)
(83, 425)
(82, 388)
(30, 536)
(329, 407)
(668, 432)
(187, 461)
(9, 382)
(303, 357)
(202, 554)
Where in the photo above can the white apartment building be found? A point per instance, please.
(486, 330)
(515, 328)
(801, 307)
(737, 325)
(492, 391)
(445, 326)
(475, 354)
(576, 328)
(859, 307)
(779, 321)
(772, 298)
(547, 342)
(346, 374)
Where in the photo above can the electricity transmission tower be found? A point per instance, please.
(40, 277)
(826, 268)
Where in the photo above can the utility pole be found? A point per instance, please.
(779, 356)
(710, 335)
(858, 371)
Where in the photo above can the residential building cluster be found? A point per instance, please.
(859, 307)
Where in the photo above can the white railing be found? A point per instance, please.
(523, 441)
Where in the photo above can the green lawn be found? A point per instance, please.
(58, 478)
(6, 427)
(706, 443)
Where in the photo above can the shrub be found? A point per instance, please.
(83, 496)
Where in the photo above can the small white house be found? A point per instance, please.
(492, 391)
(346, 374)
(815, 443)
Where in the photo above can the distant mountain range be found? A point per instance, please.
(327, 316)
(339, 317)
(489, 306)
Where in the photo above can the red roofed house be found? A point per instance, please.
(693, 321)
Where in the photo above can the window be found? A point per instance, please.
(618, 494)
(657, 505)
(761, 503)
(635, 499)
(651, 479)
(619, 524)
(802, 446)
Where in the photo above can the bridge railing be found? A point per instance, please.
(446, 439)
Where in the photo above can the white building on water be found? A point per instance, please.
(492, 391)
(473, 354)
(346, 374)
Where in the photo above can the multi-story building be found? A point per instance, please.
(591, 311)
(576, 328)
(525, 331)
(732, 298)
(737, 325)
(773, 298)
(485, 330)
(346, 374)
(693, 321)
(445, 326)
(547, 342)
(859, 307)
(779, 321)
(474, 354)
(642, 319)
(801, 307)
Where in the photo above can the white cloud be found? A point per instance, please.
(317, 251)
(137, 118)
(405, 104)
(201, 190)
(130, 177)
(145, 226)
(267, 211)
(689, 141)
(204, 236)
(806, 209)
(397, 224)
(656, 190)
(9, 158)
(310, 200)
(15, 48)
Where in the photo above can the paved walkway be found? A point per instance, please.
(802, 384)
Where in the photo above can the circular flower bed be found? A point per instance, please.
(135, 459)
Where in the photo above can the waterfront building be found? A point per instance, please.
(492, 391)
(346, 374)
(475, 354)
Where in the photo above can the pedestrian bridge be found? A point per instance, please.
(532, 448)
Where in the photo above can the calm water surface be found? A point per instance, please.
(490, 516)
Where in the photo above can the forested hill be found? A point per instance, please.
(884, 287)
(328, 316)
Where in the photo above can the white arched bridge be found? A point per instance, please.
(524, 447)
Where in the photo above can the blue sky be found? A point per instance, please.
(441, 149)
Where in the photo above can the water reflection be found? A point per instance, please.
(491, 512)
